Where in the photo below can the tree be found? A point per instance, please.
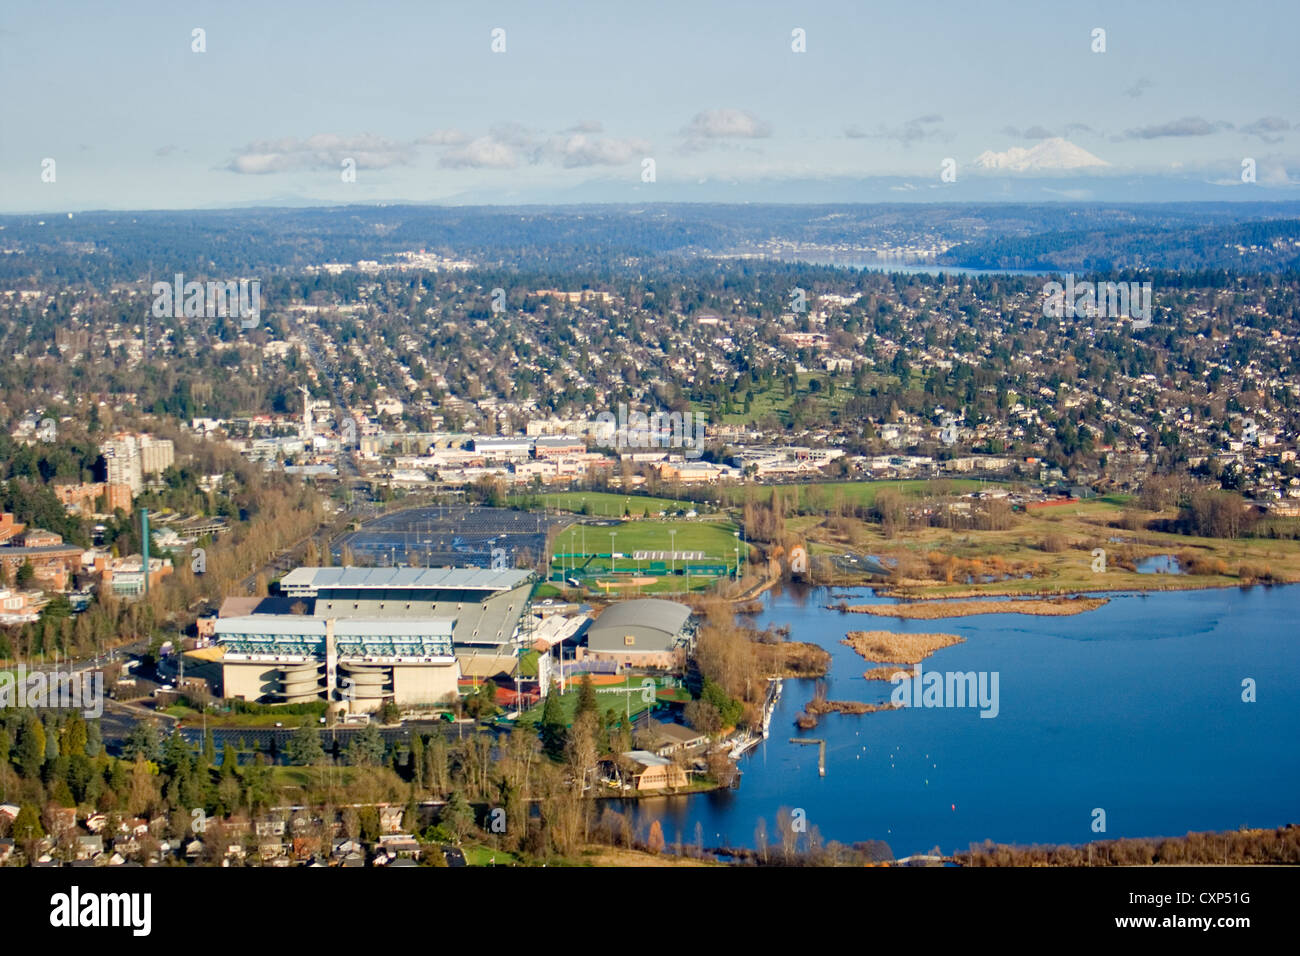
(27, 825)
(554, 728)
(655, 841)
(74, 736)
(367, 747)
(142, 741)
(417, 761)
(31, 747)
(587, 703)
(304, 747)
(457, 816)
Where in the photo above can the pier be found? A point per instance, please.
(821, 751)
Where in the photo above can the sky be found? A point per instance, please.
(579, 95)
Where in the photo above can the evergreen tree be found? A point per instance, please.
(366, 748)
(31, 748)
(94, 739)
(229, 759)
(304, 747)
(457, 817)
(554, 729)
(75, 736)
(27, 825)
(417, 761)
(587, 703)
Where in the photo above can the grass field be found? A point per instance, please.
(827, 496)
(602, 504)
(717, 539)
(622, 697)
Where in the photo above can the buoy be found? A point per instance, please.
(954, 807)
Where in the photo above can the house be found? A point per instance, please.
(668, 739)
(343, 848)
(654, 772)
(270, 828)
(89, 847)
(390, 819)
(399, 844)
(62, 819)
(6, 851)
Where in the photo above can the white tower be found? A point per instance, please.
(306, 413)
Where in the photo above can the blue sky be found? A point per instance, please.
(585, 92)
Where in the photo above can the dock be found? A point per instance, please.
(821, 751)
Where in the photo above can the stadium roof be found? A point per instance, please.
(466, 579)
(300, 625)
(659, 615)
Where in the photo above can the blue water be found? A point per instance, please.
(1135, 708)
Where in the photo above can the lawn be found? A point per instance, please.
(620, 697)
(193, 718)
(601, 504)
(483, 855)
(716, 539)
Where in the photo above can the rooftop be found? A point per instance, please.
(469, 579)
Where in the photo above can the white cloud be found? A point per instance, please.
(323, 150)
(727, 124)
(486, 152)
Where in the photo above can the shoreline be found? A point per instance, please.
(926, 593)
(927, 611)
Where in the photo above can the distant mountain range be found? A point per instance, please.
(1054, 153)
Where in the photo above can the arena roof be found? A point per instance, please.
(666, 616)
(303, 580)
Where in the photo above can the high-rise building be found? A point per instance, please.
(156, 454)
(129, 458)
(122, 462)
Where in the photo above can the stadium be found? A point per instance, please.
(365, 635)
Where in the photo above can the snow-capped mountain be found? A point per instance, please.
(1054, 153)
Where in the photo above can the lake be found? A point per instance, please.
(1135, 709)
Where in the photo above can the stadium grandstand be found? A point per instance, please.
(293, 658)
(487, 606)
